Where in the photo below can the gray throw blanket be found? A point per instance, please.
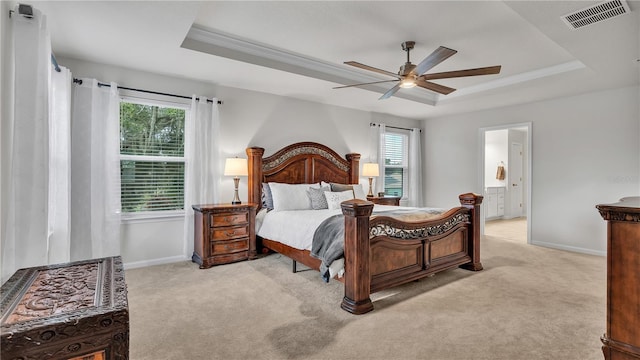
(328, 243)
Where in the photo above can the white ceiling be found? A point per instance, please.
(297, 48)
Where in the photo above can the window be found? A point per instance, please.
(152, 158)
(395, 163)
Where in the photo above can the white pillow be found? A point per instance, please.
(335, 198)
(291, 196)
(358, 192)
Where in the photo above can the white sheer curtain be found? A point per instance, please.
(95, 171)
(415, 169)
(58, 236)
(203, 165)
(26, 153)
(382, 129)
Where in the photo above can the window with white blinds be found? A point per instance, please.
(152, 159)
(395, 163)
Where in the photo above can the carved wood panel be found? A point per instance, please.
(450, 245)
(387, 255)
(66, 311)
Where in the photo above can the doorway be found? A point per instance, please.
(505, 174)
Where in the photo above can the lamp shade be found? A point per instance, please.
(370, 169)
(235, 167)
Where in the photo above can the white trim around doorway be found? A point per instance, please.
(481, 168)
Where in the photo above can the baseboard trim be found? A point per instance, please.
(152, 262)
(569, 248)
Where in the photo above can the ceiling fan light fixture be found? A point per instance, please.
(407, 83)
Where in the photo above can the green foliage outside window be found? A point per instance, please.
(152, 157)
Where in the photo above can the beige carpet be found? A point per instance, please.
(528, 303)
(511, 229)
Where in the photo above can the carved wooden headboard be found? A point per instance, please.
(299, 163)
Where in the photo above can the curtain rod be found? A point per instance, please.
(55, 63)
(393, 127)
(79, 82)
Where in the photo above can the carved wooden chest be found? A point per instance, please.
(75, 311)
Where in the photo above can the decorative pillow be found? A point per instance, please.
(340, 187)
(335, 198)
(318, 200)
(291, 196)
(267, 198)
(358, 191)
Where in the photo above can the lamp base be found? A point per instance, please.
(236, 198)
(370, 194)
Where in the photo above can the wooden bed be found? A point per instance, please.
(380, 252)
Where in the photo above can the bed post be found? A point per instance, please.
(354, 168)
(357, 272)
(472, 202)
(254, 164)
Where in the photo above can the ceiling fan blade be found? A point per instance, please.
(439, 55)
(445, 90)
(370, 83)
(391, 91)
(370, 68)
(490, 70)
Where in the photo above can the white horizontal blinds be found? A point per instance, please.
(395, 163)
(151, 157)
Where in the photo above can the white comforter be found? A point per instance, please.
(296, 228)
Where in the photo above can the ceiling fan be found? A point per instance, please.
(411, 75)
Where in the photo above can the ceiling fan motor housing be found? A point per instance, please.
(408, 45)
(406, 69)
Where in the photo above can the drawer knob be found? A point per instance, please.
(231, 233)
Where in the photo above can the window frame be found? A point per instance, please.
(151, 216)
(405, 161)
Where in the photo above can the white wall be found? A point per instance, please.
(585, 152)
(247, 118)
(496, 150)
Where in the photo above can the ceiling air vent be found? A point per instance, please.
(596, 13)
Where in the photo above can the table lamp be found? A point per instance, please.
(236, 167)
(370, 170)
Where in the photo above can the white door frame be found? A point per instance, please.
(481, 169)
(516, 160)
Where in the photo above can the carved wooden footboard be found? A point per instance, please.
(380, 252)
(384, 252)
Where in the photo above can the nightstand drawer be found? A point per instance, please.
(229, 219)
(385, 200)
(228, 258)
(229, 246)
(230, 232)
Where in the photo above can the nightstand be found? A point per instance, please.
(223, 233)
(385, 200)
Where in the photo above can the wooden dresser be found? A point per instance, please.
(224, 233)
(622, 339)
(70, 311)
(385, 200)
